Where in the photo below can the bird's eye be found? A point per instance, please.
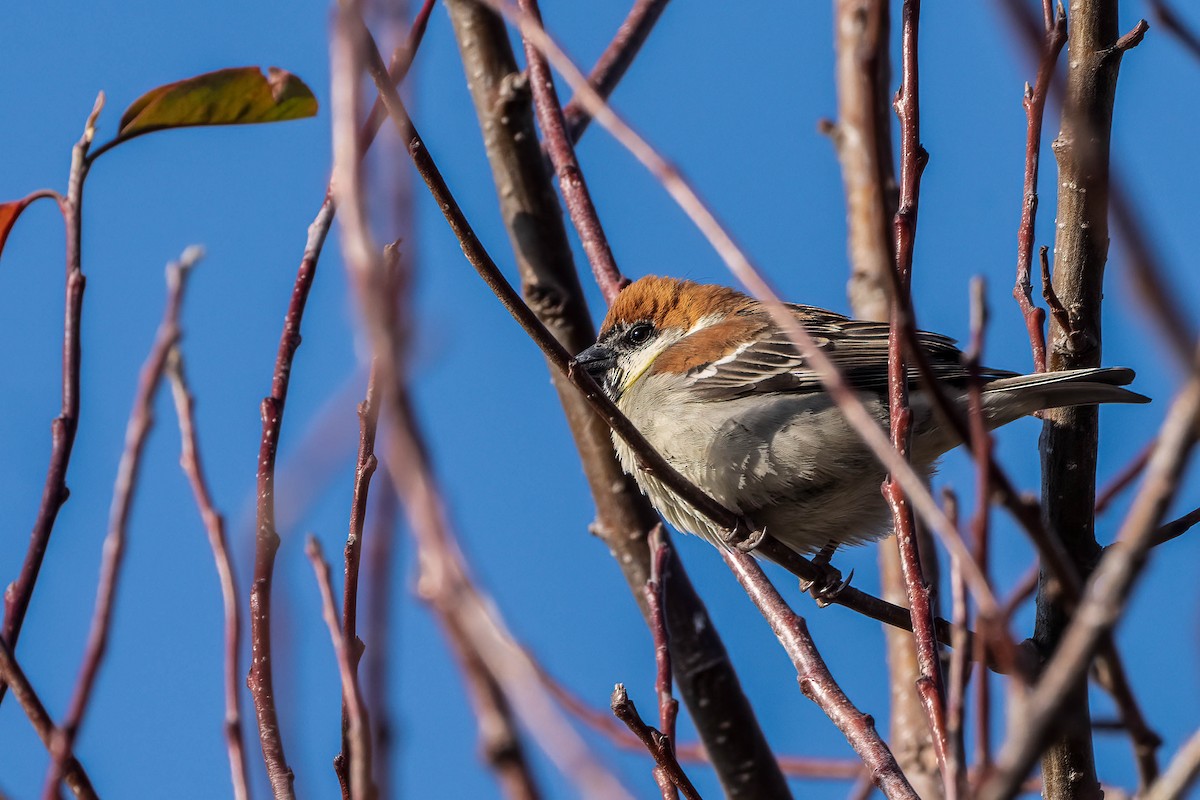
(640, 333)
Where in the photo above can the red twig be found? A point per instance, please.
(12, 674)
(566, 167)
(214, 525)
(615, 60)
(1034, 102)
(141, 420)
(380, 548)
(260, 679)
(603, 723)
(956, 699)
(1124, 478)
(62, 429)
(487, 653)
(815, 680)
(352, 700)
(668, 706)
(368, 417)
(659, 745)
(930, 684)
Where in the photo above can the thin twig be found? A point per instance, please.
(141, 420)
(615, 60)
(484, 646)
(1034, 103)
(566, 167)
(657, 743)
(12, 674)
(668, 706)
(1123, 479)
(62, 429)
(930, 684)
(368, 418)
(260, 680)
(959, 674)
(1179, 775)
(814, 677)
(380, 548)
(352, 700)
(214, 526)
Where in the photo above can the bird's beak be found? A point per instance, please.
(597, 360)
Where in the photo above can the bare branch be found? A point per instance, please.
(62, 430)
(659, 745)
(214, 525)
(352, 700)
(615, 60)
(141, 420)
(12, 674)
(1179, 775)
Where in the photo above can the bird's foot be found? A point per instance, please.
(744, 538)
(829, 584)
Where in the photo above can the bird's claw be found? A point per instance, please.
(826, 589)
(745, 539)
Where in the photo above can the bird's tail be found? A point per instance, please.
(1025, 394)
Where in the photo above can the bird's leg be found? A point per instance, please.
(830, 584)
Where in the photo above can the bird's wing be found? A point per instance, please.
(771, 363)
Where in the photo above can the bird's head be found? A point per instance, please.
(653, 315)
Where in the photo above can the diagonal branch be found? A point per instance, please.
(141, 420)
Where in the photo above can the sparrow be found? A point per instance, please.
(718, 388)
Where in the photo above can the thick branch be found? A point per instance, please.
(551, 288)
(1070, 435)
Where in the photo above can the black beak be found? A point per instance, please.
(597, 360)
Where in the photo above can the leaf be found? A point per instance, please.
(8, 217)
(235, 96)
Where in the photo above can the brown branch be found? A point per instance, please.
(930, 685)
(1070, 436)
(1034, 103)
(668, 707)
(959, 674)
(486, 651)
(358, 736)
(862, 136)
(1179, 775)
(615, 60)
(214, 526)
(707, 682)
(62, 430)
(602, 722)
(566, 167)
(380, 549)
(1166, 16)
(658, 744)
(259, 680)
(141, 420)
(1106, 597)
(814, 677)
(12, 674)
(368, 417)
(1123, 479)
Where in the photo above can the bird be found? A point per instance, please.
(719, 389)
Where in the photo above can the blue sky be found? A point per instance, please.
(733, 98)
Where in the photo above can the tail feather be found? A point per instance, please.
(1025, 394)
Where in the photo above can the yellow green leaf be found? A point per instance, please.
(235, 96)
